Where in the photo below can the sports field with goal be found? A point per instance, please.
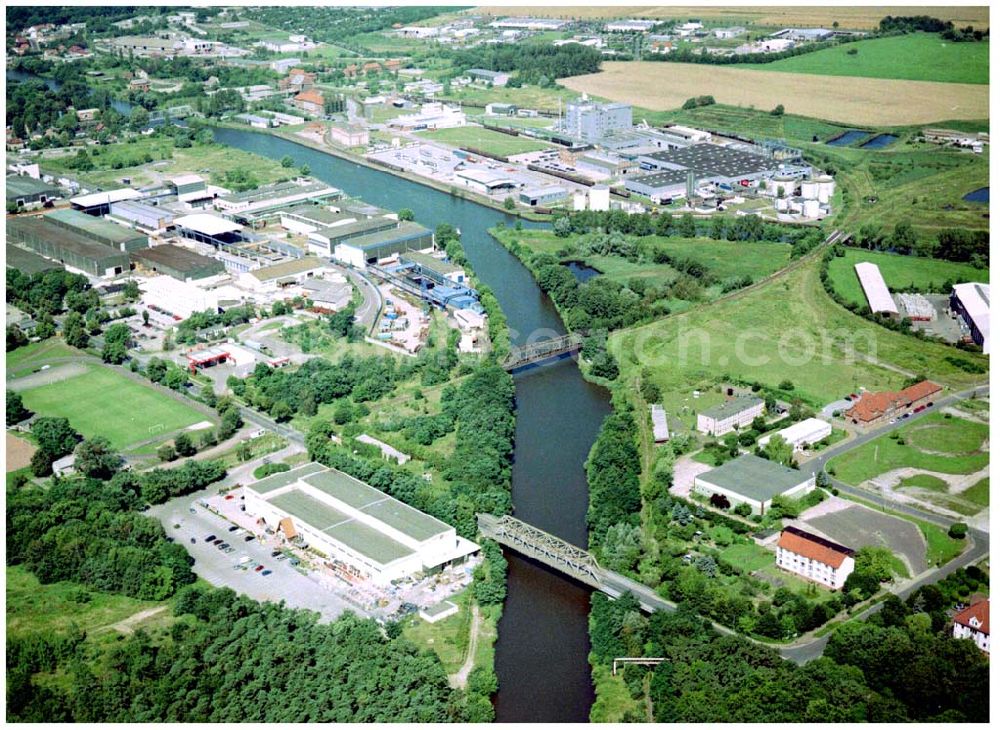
(102, 402)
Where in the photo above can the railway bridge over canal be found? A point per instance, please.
(536, 352)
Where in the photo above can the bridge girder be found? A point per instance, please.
(548, 549)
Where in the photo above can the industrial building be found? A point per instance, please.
(814, 558)
(100, 203)
(801, 434)
(181, 263)
(661, 432)
(546, 195)
(26, 192)
(176, 298)
(433, 115)
(497, 78)
(278, 195)
(110, 234)
(68, 247)
(730, 415)
(142, 217)
(437, 269)
(28, 262)
(972, 303)
(876, 292)
(287, 273)
(306, 219)
(372, 247)
(521, 23)
(325, 239)
(487, 182)
(209, 229)
(592, 121)
(363, 533)
(674, 171)
(876, 408)
(754, 481)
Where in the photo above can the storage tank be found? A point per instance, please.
(826, 186)
(579, 200)
(787, 182)
(781, 204)
(810, 189)
(810, 208)
(600, 197)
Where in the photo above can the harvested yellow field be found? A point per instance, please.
(854, 18)
(662, 85)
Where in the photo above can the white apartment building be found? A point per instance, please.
(814, 558)
(733, 414)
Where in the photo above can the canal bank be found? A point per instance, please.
(541, 652)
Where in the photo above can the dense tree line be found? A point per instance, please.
(96, 18)
(337, 24)
(231, 659)
(187, 331)
(951, 244)
(613, 475)
(711, 678)
(531, 61)
(87, 531)
(50, 292)
(896, 25)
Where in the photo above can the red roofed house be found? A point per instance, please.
(874, 409)
(814, 558)
(372, 66)
(351, 71)
(297, 80)
(309, 101)
(974, 623)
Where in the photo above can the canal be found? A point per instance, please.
(541, 653)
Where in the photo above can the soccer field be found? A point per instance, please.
(100, 402)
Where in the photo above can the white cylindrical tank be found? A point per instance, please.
(826, 187)
(781, 204)
(810, 208)
(810, 189)
(600, 197)
(579, 200)
(786, 182)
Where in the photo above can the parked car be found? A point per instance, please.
(281, 557)
(275, 553)
(234, 528)
(192, 510)
(210, 538)
(217, 541)
(258, 568)
(248, 538)
(266, 572)
(193, 541)
(294, 561)
(229, 496)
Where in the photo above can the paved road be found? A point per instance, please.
(371, 305)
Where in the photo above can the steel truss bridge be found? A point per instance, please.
(523, 355)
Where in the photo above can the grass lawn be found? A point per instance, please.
(979, 493)
(449, 638)
(917, 57)
(940, 547)
(899, 272)
(36, 608)
(24, 359)
(787, 329)
(486, 140)
(101, 402)
(925, 481)
(612, 701)
(748, 557)
(885, 454)
(975, 405)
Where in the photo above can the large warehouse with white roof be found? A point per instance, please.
(873, 285)
(364, 533)
(972, 303)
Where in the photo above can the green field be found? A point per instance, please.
(486, 140)
(25, 359)
(925, 481)
(36, 608)
(978, 493)
(787, 328)
(899, 272)
(101, 402)
(955, 442)
(916, 57)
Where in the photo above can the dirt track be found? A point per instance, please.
(19, 453)
(665, 85)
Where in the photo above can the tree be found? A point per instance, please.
(41, 463)
(287, 161)
(958, 531)
(145, 318)
(778, 450)
(183, 445)
(74, 332)
(138, 118)
(304, 171)
(562, 227)
(778, 110)
(15, 337)
(166, 452)
(687, 228)
(405, 214)
(508, 203)
(16, 412)
(131, 291)
(117, 340)
(54, 436)
(622, 547)
(94, 458)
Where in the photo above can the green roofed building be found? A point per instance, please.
(102, 231)
(751, 480)
(28, 262)
(68, 247)
(364, 533)
(25, 191)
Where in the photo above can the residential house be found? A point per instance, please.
(309, 101)
(877, 408)
(974, 623)
(814, 558)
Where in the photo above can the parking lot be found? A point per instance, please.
(285, 583)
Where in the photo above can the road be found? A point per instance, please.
(371, 305)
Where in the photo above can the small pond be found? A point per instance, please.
(982, 195)
(879, 141)
(849, 137)
(581, 271)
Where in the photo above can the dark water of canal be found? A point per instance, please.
(541, 654)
